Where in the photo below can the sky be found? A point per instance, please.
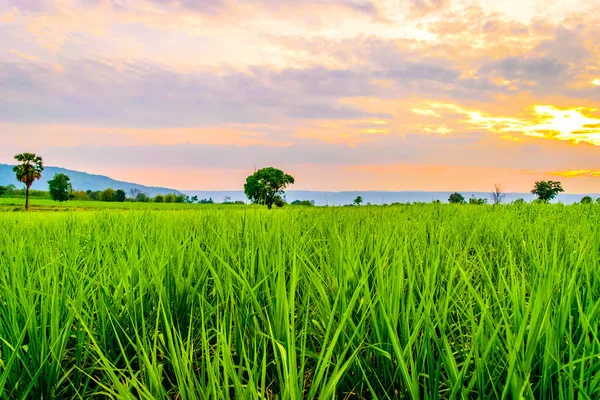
(342, 94)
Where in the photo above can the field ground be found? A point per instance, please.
(207, 302)
(36, 204)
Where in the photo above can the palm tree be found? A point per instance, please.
(28, 171)
(358, 200)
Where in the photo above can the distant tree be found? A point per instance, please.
(547, 190)
(207, 201)
(133, 193)
(170, 198)
(305, 203)
(191, 199)
(2, 190)
(60, 187)
(239, 202)
(108, 194)
(94, 195)
(587, 200)
(519, 202)
(10, 190)
(120, 195)
(476, 201)
(358, 201)
(598, 200)
(266, 184)
(456, 198)
(28, 171)
(227, 200)
(497, 195)
(180, 198)
(79, 195)
(142, 197)
(436, 202)
(159, 198)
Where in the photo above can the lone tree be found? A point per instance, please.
(587, 200)
(265, 185)
(547, 190)
(497, 195)
(28, 171)
(60, 187)
(358, 201)
(456, 198)
(120, 195)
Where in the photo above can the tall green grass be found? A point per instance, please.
(420, 302)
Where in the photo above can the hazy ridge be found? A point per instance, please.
(80, 181)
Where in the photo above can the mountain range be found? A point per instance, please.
(84, 181)
(80, 181)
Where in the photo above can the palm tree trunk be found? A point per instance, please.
(27, 199)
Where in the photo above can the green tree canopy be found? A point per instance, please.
(306, 203)
(358, 200)
(28, 171)
(587, 200)
(170, 198)
(141, 197)
(456, 198)
(547, 190)
(120, 195)
(476, 201)
(108, 195)
(265, 185)
(60, 187)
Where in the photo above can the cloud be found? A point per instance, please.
(575, 124)
(147, 94)
(424, 7)
(543, 70)
(335, 84)
(581, 173)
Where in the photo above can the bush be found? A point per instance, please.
(305, 203)
(456, 198)
(476, 201)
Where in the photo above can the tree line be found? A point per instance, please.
(265, 186)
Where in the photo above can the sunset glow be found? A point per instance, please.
(343, 94)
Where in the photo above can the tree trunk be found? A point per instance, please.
(27, 199)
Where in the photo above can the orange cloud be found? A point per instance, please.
(576, 124)
(347, 132)
(588, 173)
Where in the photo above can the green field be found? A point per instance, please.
(17, 204)
(208, 302)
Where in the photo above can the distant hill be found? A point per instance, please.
(376, 197)
(80, 181)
